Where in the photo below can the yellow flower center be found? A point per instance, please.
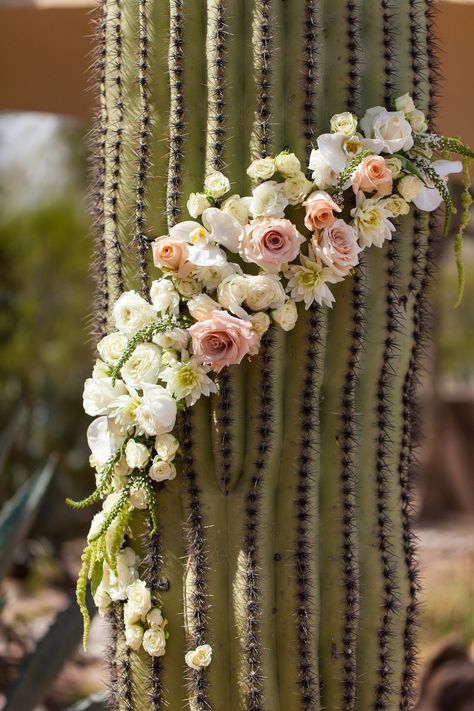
(198, 234)
(187, 377)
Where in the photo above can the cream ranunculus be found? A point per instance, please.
(286, 315)
(216, 184)
(288, 164)
(132, 313)
(237, 207)
(188, 287)
(137, 454)
(161, 470)
(134, 636)
(261, 168)
(197, 203)
(395, 206)
(164, 296)
(260, 323)
(138, 499)
(157, 413)
(138, 603)
(200, 657)
(418, 121)
(166, 447)
(232, 292)
(155, 618)
(201, 306)
(268, 200)
(391, 127)
(394, 165)
(297, 188)
(111, 347)
(405, 104)
(345, 123)
(409, 187)
(323, 175)
(264, 292)
(154, 641)
(143, 366)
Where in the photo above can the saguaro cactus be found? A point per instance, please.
(285, 542)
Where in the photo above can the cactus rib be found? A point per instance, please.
(216, 54)
(310, 66)
(176, 137)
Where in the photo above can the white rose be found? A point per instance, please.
(201, 307)
(164, 296)
(396, 206)
(199, 657)
(138, 603)
(155, 618)
(157, 413)
(161, 470)
(134, 636)
(288, 164)
(405, 104)
(111, 347)
(391, 127)
(297, 188)
(99, 394)
(132, 313)
(268, 200)
(197, 203)
(216, 184)
(237, 207)
(136, 454)
(261, 168)
(138, 499)
(345, 123)
(143, 366)
(394, 165)
(409, 187)
(102, 600)
(166, 447)
(232, 292)
(174, 338)
(154, 641)
(188, 287)
(418, 121)
(286, 316)
(264, 292)
(323, 175)
(260, 322)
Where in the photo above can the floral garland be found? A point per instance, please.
(223, 282)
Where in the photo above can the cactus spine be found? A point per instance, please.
(285, 542)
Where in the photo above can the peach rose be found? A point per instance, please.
(337, 247)
(373, 174)
(223, 340)
(319, 210)
(170, 254)
(270, 243)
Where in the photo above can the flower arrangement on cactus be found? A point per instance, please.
(223, 282)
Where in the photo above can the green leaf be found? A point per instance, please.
(97, 574)
(411, 167)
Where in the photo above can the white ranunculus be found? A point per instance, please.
(232, 292)
(154, 641)
(200, 657)
(394, 165)
(371, 222)
(391, 127)
(409, 187)
(429, 198)
(405, 104)
(323, 175)
(264, 291)
(161, 470)
(166, 447)
(261, 168)
(345, 123)
(134, 636)
(395, 206)
(216, 184)
(155, 618)
(201, 307)
(138, 499)
(418, 121)
(188, 286)
(297, 188)
(137, 454)
(268, 200)
(143, 366)
(111, 347)
(99, 394)
(288, 164)
(138, 603)
(157, 413)
(286, 315)
(260, 322)
(197, 203)
(176, 338)
(236, 207)
(132, 313)
(164, 296)
(103, 439)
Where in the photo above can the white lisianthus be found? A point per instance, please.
(237, 207)
(164, 296)
(391, 127)
(103, 438)
(99, 394)
(200, 657)
(161, 470)
(157, 413)
(345, 123)
(166, 447)
(260, 323)
(138, 499)
(395, 206)
(154, 641)
(261, 168)
(197, 203)
(232, 292)
(216, 184)
(132, 313)
(286, 315)
(297, 188)
(111, 347)
(188, 286)
(138, 603)
(137, 454)
(409, 187)
(268, 200)
(371, 222)
(309, 282)
(176, 338)
(264, 291)
(288, 164)
(201, 307)
(155, 618)
(143, 366)
(418, 121)
(324, 176)
(394, 165)
(405, 104)
(188, 380)
(134, 636)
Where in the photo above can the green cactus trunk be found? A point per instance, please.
(285, 541)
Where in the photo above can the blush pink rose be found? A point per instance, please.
(372, 175)
(223, 340)
(270, 243)
(337, 247)
(170, 254)
(319, 210)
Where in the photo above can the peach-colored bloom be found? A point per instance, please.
(337, 247)
(170, 254)
(223, 340)
(270, 243)
(373, 174)
(319, 210)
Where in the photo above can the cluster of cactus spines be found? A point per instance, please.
(310, 67)
(114, 627)
(177, 118)
(216, 57)
(262, 48)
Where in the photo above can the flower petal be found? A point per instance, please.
(225, 229)
(445, 167)
(181, 231)
(206, 255)
(428, 199)
(330, 145)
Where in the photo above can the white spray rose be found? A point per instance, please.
(264, 291)
(391, 127)
(138, 499)
(297, 188)
(261, 168)
(216, 184)
(136, 454)
(127, 572)
(409, 187)
(232, 292)
(200, 657)
(418, 121)
(161, 470)
(405, 104)
(132, 313)
(260, 322)
(286, 315)
(176, 338)
(111, 347)
(201, 307)
(143, 366)
(166, 447)
(394, 165)
(396, 206)
(134, 636)
(157, 413)
(138, 603)
(197, 203)
(288, 164)
(268, 200)
(154, 641)
(155, 618)
(164, 296)
(237, 207)
(188, 287)
(345, 123)
(323, 175)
